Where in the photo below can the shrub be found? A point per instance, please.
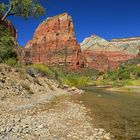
(26, 87)
(7, 45)
(128, 70)
(22, 73)
(11, 61)
(31, 71)
(42, 69)
(75, 80)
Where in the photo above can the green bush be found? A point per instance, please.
(11, 61)
(26, 86)
(63, 77)
(128, 70)
(43, 70)
(78, 79)
(7, 45)
(74, 79)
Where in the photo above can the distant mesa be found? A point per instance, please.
(129, 46)
(126, 45)
(103, 55)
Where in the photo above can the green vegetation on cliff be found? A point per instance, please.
(78, 79)
(127, 74)
(7, 45)
(127, 70)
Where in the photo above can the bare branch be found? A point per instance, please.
(7, 13)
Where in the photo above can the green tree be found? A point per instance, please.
(7, 44)
(23, 8)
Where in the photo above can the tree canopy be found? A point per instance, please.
(23, 8)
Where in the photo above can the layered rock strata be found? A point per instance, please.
(54, 43)
(129, 46)
(103, 55)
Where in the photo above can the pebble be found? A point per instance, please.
(40, 126)
(71, 123)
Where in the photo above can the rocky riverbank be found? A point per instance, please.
(65, 121)
(36, 108)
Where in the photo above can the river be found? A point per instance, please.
(118, 113)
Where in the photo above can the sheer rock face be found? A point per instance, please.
(54, 43)
(103, 55)
(96, 60)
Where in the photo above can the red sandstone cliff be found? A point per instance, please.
(54, 43)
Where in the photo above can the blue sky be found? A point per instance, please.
(106, 18)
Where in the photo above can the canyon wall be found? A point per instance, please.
(54, 43)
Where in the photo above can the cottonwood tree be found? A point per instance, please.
(23, 8)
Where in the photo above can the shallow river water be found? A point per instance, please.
(118, 113)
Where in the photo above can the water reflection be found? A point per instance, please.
(118, 113)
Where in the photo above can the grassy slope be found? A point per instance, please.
(128, 74)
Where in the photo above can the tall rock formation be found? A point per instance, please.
(54, 43)
(103, 55)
